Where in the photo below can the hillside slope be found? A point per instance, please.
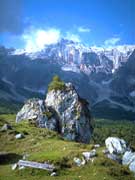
(42, 145)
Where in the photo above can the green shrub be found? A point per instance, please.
(56, 84)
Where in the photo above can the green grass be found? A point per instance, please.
(43, 145)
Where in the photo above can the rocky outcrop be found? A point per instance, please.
(120, 152)
(73, 113)
(63, 110)
(33, 109)
(115, 145)
(129, 159)
(36, 112)
(114, 157)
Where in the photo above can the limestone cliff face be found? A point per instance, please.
(36, 112)
(63, 111)
(74, 115)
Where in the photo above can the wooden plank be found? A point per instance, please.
(37, 165)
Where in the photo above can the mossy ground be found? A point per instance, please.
(43, 145)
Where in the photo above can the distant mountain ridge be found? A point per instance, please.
(105, 77)
(69, 53)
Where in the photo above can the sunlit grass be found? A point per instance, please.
(43, 145)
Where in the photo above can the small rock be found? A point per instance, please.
(96, 145)
(78, 161)
(86, 155)
(89, 155)
(19, 136)
(53, 174)
(14, 166)
(5, 127)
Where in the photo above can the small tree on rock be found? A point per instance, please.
(56, 84)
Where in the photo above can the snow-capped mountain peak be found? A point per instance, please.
(67, 52)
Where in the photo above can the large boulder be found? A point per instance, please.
(35, 111)
(116, 145)
(129, 159)
(114, 157)
(63, 111)
(73, 112)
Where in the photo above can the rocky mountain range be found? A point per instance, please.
(104, 76)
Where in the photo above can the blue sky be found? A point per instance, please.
(93, 22)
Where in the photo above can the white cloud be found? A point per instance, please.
(73, 37)
(36, 39)
(83, 29)
(111, 41)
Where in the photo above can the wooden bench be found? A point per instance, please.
(37, 165)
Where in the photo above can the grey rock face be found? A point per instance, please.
(118, 151)
(132, 166)
(35, 111)
(63, 111)
(73, 113)
(129, 159)
(115, 145)
(114, 157)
